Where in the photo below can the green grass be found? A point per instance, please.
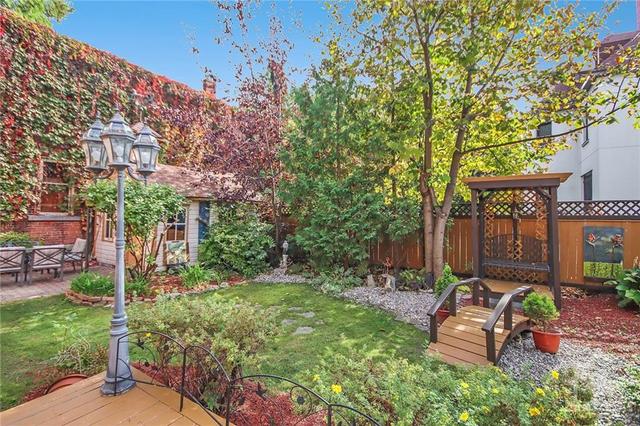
(31, 333)
(339, 326)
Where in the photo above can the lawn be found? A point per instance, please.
(32, 331)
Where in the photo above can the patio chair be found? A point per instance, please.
(45, 258)
(176, 254)
(76, 253)
(12, 260)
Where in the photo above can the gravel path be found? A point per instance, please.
(408, 306)
(520, 358)
(606, 372)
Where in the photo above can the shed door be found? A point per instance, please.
(203, 220)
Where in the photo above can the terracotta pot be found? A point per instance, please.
(547, 341)
(64, 382)
(442, 314)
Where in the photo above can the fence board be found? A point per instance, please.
(458, 247)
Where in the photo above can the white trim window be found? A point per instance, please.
(108, 228)
(177, 227)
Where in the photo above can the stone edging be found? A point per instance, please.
(83, 299)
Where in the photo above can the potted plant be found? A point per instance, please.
(541, 309)
(440, 286)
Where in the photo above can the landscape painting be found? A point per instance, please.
(603, 251)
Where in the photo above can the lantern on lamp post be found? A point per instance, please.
(112, 147)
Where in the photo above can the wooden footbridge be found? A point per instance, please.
(476, 334)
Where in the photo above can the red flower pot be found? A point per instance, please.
(64, 382)
(547, 341)
(442, 314)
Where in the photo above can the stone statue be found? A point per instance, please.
(285, 247)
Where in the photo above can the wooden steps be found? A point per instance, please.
(462, 341)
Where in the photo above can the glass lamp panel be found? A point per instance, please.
(118, 149)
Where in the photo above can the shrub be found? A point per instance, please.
(237, 242)
(336, 281)
(444, 280)
(82, 356)
(92, 284)
(627, 284)
(137, 287)
(16, 239)
(233, 330)
(428, 393)
(195, 275)
(540, 308)
(632, 388)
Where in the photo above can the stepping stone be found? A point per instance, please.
(319, 322)
(303, 330)
(288, 321)
(295, 308)
(309, 314)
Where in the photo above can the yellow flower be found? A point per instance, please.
(534, 411)
(540, 392)
(316, 377)
(555, 374)
(336, 388)
(495, 391)
(464, 385)
(464, 416)
(147, 334)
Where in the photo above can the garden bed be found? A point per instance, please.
(170, 285)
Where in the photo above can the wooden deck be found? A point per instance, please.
(83, 404)
(462, 341)
(502, 287)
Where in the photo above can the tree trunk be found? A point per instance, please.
(440, 228)
(427, 236)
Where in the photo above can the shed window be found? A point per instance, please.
(177, 227)
(108, 228)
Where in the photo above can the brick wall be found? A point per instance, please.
(50, 230)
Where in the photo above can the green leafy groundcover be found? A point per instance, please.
(51, 88)
(428, 392)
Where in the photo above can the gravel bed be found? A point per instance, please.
(408, 306)
(606, 371)
(520, 359)
(279, 276)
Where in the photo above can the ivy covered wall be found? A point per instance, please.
(52, 86)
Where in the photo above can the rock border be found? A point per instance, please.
(105, 301)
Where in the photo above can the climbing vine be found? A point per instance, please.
(52, 86)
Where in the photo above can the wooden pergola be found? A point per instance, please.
(506, 252)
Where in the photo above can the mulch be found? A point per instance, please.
(167, 284)
(596, 320)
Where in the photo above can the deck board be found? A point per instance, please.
(83, 404)
(461, 339)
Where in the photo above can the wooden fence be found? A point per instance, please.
(408, 253)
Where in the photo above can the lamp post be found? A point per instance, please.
(110, 149)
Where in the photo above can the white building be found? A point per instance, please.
(604, 159)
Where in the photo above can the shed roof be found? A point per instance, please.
(187, 182)
(516, 181)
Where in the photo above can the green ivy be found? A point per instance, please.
(52, 86)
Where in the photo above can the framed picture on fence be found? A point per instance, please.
(603, 251)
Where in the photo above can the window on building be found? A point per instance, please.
(544, 130)
(56, 191)
(108, 229)
(585, 131)
(587, 186)
(177, 227)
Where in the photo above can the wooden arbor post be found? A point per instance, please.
(543, 183)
